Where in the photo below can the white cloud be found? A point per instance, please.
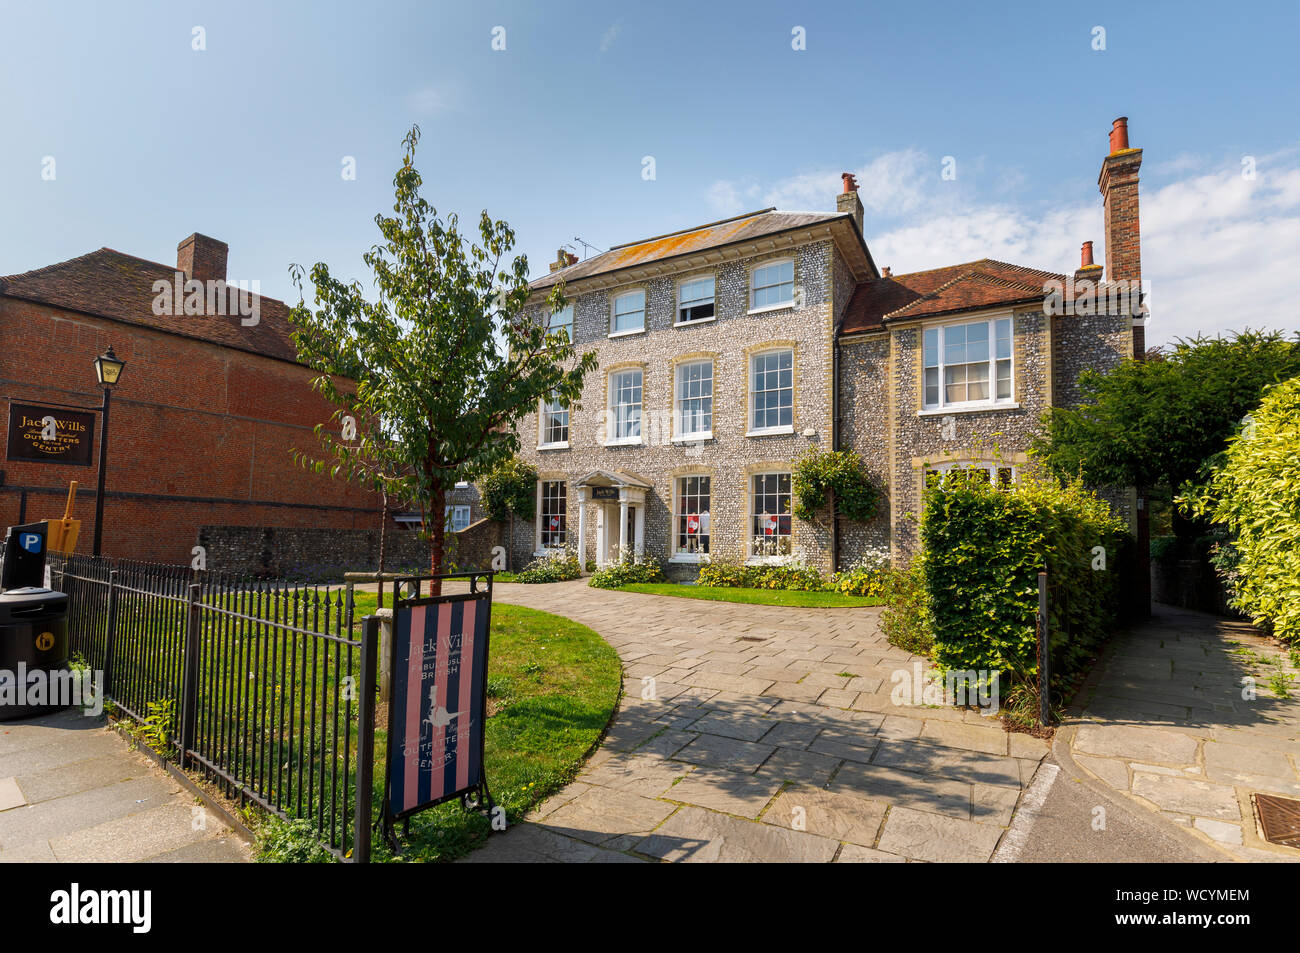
(428, 101)
(1219, 252)
(608, 39)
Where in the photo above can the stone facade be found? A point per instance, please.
(732, 455)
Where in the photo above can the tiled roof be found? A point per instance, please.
(977, 284)
(113, 285)
(745, 227)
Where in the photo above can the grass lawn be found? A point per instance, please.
(552, 687)
(761, 597)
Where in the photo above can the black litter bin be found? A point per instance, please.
(33, 638)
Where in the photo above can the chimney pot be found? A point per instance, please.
(887, 272)
(202, 258)
(1085, 255)
(850, 182)
(1119, 135)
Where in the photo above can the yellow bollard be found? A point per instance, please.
(61, 535)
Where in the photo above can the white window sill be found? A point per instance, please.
(770, 431)
(624, 442)
(694, 437)
(626, 334)
(553, 446)
(978, 408)
(784, 306)
(543, 553)
(689, 558)
(768, 560)
(689, 324)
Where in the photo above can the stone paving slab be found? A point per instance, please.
(1165, 721)
(79, 794)
(789, 748)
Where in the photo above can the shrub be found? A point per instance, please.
(905, 620)
(633, 569)
(869, 577)
(1253, 489)
(553, 567)
(982, 549)
(509, 487)
(839, 472)
(737, 575)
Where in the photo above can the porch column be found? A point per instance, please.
(622, 524)
(582, 528)
(640, 529)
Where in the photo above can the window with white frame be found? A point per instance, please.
(695, 399)
(457, 517)
(562, 320)
(771, 390)
(625, 406)
(629, 313)
(769, 515)
(772, 285)
(968, 363)
(691, 519)
(552, 515)
(996, 472)
(554, 424)
(695, 300)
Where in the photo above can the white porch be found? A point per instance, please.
(618, 500)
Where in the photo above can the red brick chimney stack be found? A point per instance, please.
(1119, 190)
(847, 200)
(563, 259)
(202, 258)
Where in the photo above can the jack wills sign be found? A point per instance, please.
(51, 434)
(438, 705)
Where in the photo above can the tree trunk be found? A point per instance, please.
(383, 541)
(437, 540)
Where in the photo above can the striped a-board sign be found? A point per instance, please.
(438, 702)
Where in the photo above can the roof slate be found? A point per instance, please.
(714, 235)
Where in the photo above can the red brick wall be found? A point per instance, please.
(198, 435)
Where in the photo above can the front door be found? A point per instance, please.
(608, 551)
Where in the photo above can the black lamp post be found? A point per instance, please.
(108, 370)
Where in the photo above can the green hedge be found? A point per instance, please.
(982, 549)
(1254, 490)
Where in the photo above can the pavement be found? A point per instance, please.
(73, 791)
(766, 733)
(1186, 719)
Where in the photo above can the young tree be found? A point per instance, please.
(444, 363)
(1154, 423)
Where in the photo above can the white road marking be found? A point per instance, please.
(1018, 836)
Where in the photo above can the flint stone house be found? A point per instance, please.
(728, 350)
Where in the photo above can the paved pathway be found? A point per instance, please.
(1164, 722)
(71, 790)
(769, 735)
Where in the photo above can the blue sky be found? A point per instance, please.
(245, 140)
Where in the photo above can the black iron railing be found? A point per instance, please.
(253, 684)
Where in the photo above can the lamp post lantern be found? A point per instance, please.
(108, 370)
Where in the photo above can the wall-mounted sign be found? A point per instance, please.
(51, 434)
(604, 493)
(438, 704)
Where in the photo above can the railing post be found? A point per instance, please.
(190, 685)
(1044, 656)
(365, 742)
(110, 649)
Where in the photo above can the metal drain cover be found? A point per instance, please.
(1279, 818)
